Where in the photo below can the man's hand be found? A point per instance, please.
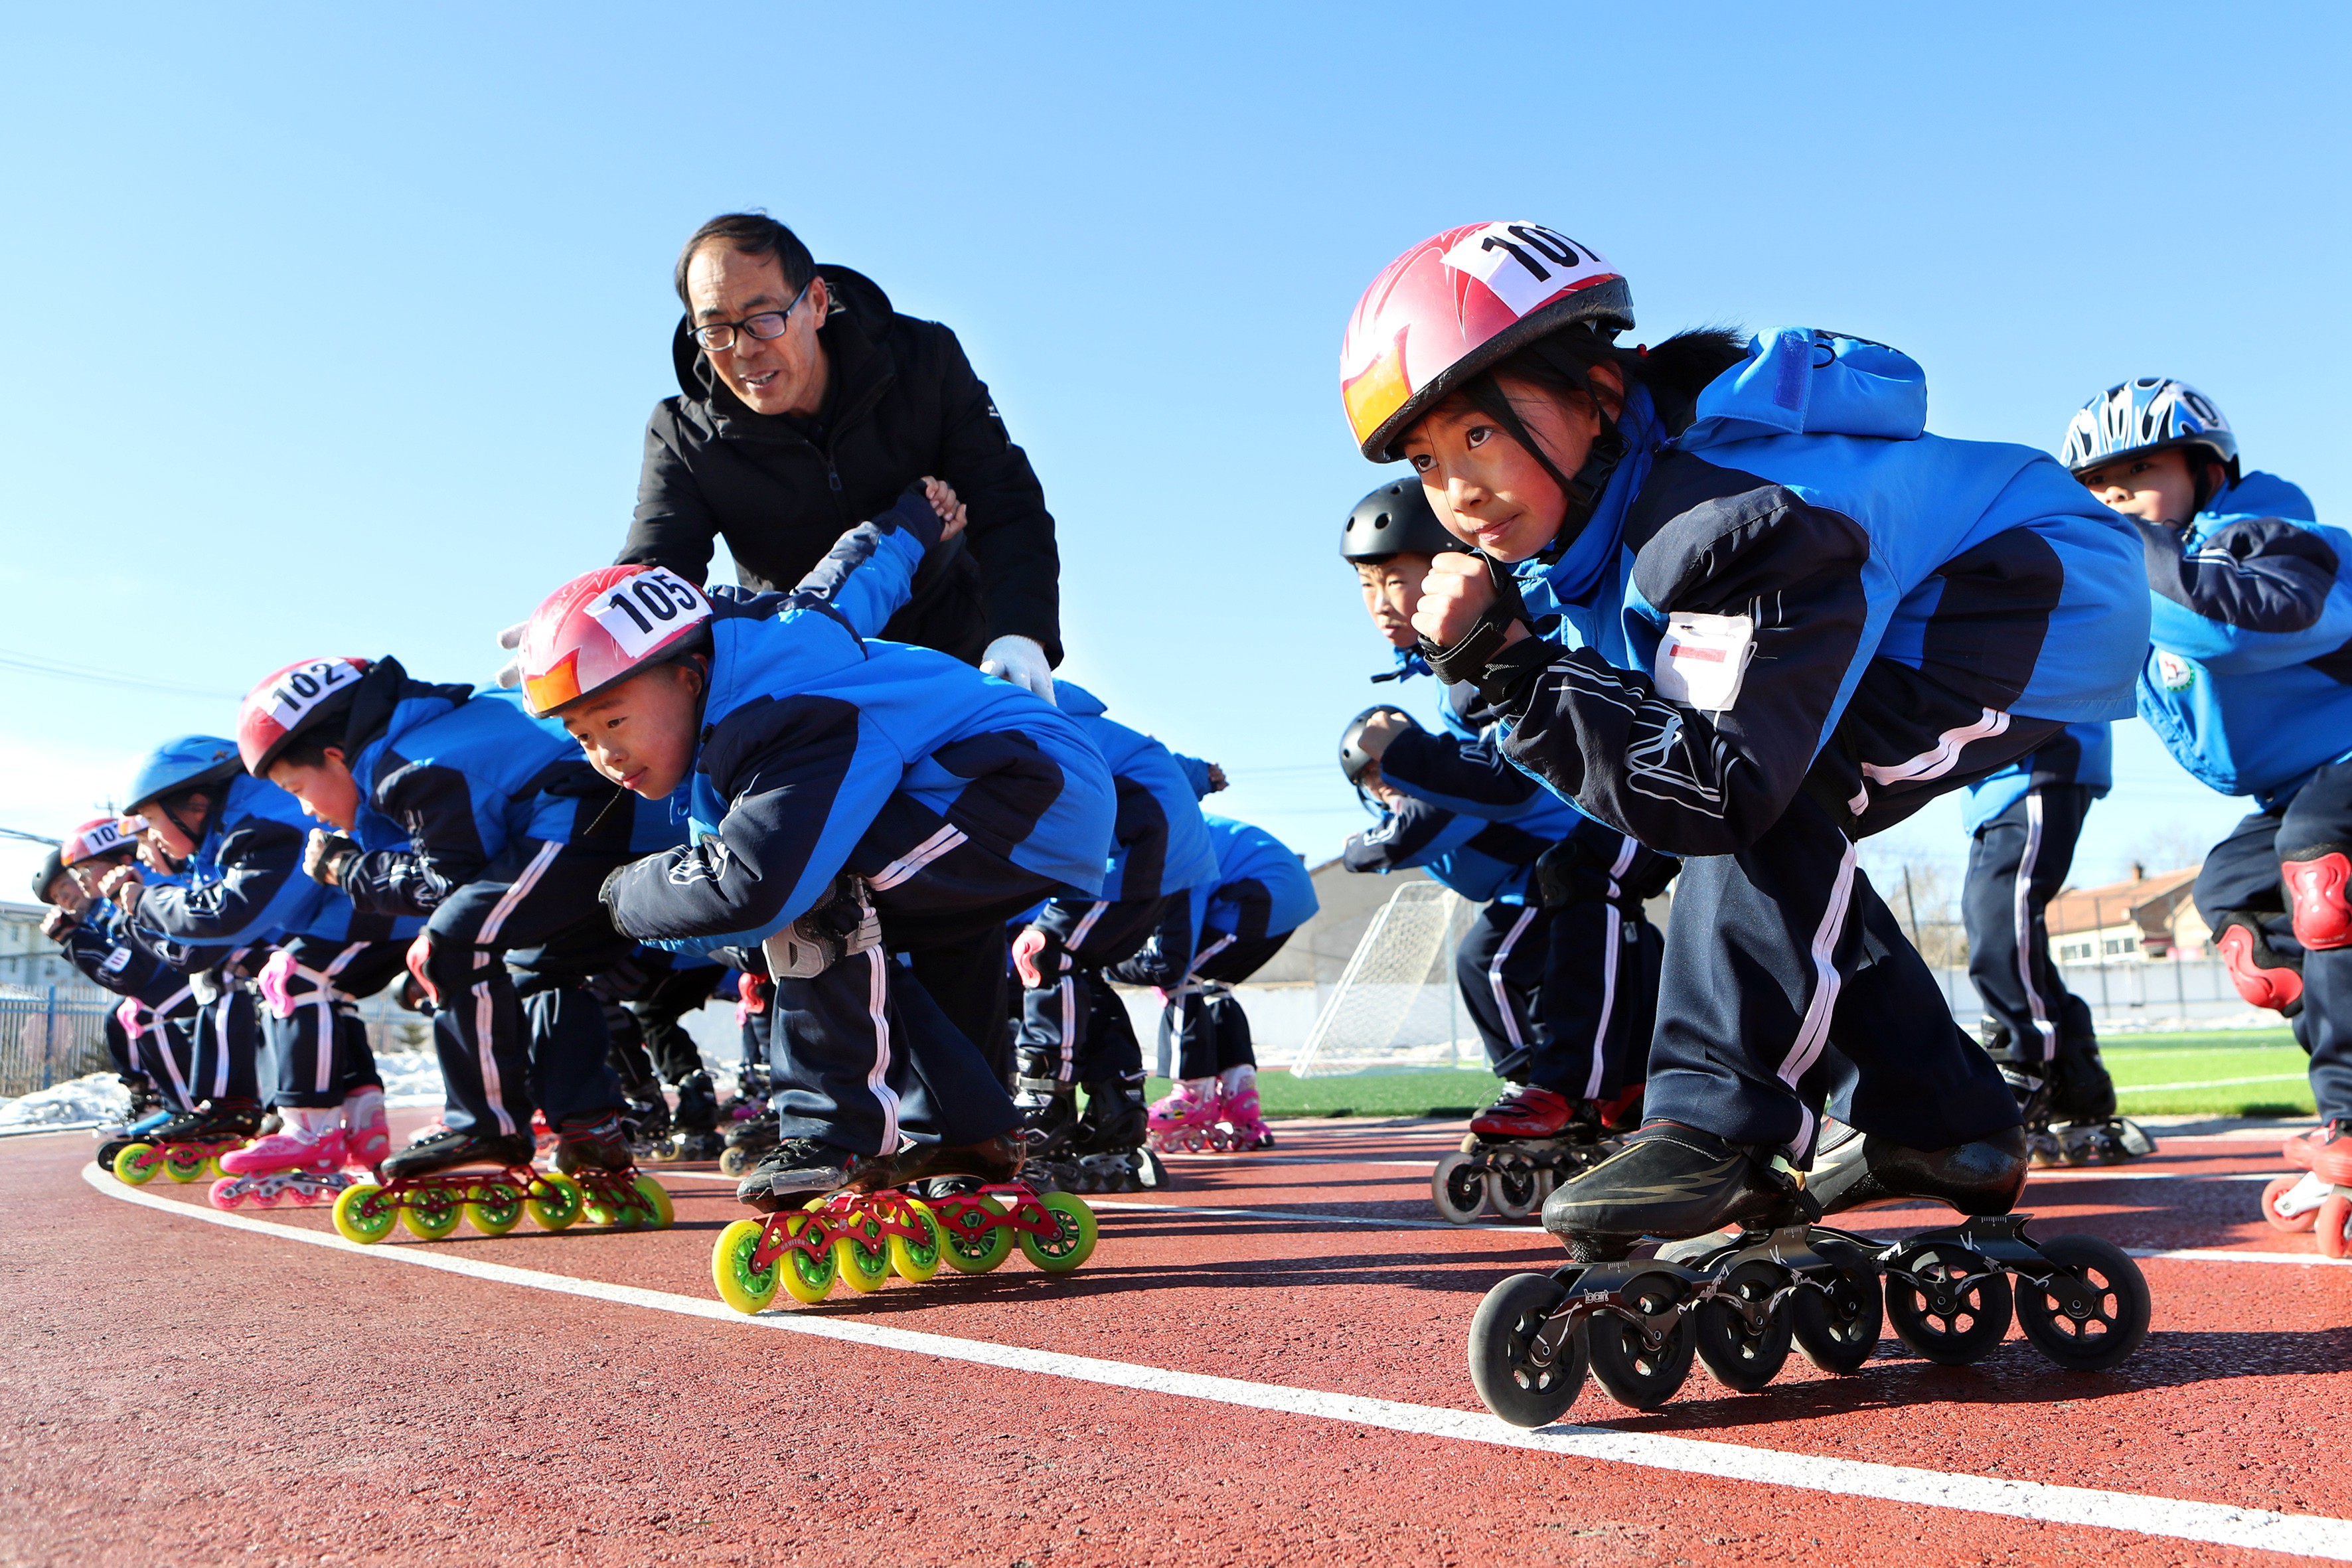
(943, 497)
(1022, 661)
(511, 639)
(56, 923)
(122, 886)
(324, 855)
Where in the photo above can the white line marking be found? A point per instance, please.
(2311, 1535)
(2210, 1083)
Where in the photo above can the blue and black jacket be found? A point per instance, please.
(244, 883)
(2248, 681)
(1260, 889)
(2083, 754)
(1908, 598)
(1159, 844)
(110, 953)
(809, 729)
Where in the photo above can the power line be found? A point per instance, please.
(30, 838)
(29, 664)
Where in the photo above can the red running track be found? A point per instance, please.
(1263, 1365)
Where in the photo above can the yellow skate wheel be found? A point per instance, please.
(554, 1202)
(861, 1255)
(661, 1214)
(365, 1213)
(1073, 1241)
(807, 1277)
(976, 1238)
(493, 1208)
(137, 1163)
(185, 1163)
(432, 1212)
(740, 1286)
(916, 1260)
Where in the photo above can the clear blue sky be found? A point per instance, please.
(335, 329)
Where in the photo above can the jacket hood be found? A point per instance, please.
(1076, 701)
(859, 305)
(1796, 381)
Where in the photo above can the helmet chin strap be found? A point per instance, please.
(194, 835)
(1582, 490)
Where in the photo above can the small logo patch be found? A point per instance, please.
(2175, 673)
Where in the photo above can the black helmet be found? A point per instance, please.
(1354, 761)
(51, 869)
(1394, 519)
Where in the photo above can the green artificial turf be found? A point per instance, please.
(2134, 1060)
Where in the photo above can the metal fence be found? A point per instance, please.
(51, 1034)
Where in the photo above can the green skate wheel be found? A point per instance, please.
(1956, 1311)
(861, 1254)
(747, 1289)
(493, 1208)
(1516, 1381)
(1741, 1357)
(186, 1162)
(1071, 1241)
(365, 1213)
(137, 1163)
(975, 1235)
(1836, 1318)
(1623, 1363)
(553, 1202)
(660, 1212)
(916, 1259)
(431, 1212)
(807, 1276)
(2114, 1319)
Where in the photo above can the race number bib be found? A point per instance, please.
(1524, 264)
(649, 609)
(305, 686)
(1702, 658)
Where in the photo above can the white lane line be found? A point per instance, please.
(2210, 1083)
(2311, 1535)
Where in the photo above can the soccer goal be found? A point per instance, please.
(1395, 1009)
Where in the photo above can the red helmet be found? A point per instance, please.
(291, 701)
(1454, 304)
(99, 836)
(604, 626)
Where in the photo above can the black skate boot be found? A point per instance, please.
(747, 1143)
(645, 1122)
(2084, 1122)
(697, 1136)
(598, 1141)
(1109, 1148)
(1983, 1177)
(750, 1096)
(933, 1172)
(446, 1149)
(185, 1146)
(1669, 1181)
(800, 1168)
(2029, 1080)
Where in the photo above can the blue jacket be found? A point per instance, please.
(2084, 755)
(2250, 678)
(1260, 889)
(808, 731)
(452, 779)
(109, 952)
(1160, 845)
(244, 882)
(1904, 593)
(1481, 860)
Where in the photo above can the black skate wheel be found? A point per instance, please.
(1741, 1357)
(1958, 1309)
(1514, 1190)
(1836, 1318)
(732, 1163)
(2116, 1322)
(1622, 1362)
(1458, 1188)
(1515, 1384)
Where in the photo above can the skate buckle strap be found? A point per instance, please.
(844, 922)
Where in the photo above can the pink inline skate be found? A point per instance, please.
(1186, 1119)
(1240, 1128)
(367, 1136)
(301, 1164)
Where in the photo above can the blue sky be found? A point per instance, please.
(336, 329)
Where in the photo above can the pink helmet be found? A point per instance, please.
(291, 701)
(99, 836)
(1456, 303)
(602, 627)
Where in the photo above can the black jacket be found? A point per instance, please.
(901, 402)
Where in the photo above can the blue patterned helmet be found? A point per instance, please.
(2144, 415)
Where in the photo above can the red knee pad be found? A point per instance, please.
(2277, 986)
(1025, 949)
(420, 955)
(2316, 900)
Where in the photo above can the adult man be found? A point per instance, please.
(805, 406)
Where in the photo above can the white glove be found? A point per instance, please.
(511, 639)
(1021, 662)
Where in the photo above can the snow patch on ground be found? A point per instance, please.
(411, 1079)
(100, 1097)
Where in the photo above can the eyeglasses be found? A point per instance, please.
(718, 337)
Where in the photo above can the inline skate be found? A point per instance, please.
(749, 1141)
(300, 1164)
(2068, 1103)
(2320, 1200)
(490, 1182)
(1523, 1146)
(145, 1123)
(186, 1147)
(696, 1134)
(1104, 1150)
(1634, 1314)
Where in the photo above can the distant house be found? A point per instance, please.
(2133, 920)
(29, 959)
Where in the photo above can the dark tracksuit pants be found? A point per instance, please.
(1601, 958)
(2017, 863)
(1067, 1030)
(226, 1046)
(1206, 1027)
(649, 1045)
(163, 1050)
(1787, 985)
(319, 1047)
(1499, 967)
(863, 1056)
(2243, 879)
(498, 1053)
(965, 976)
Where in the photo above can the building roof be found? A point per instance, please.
(2143, 901)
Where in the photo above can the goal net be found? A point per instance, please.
(1395, 1009)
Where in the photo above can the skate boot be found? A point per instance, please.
(2030, 1083)
(2320, 1201)
(140, 1130)
(444, 1149)
(1738, 1303)
(593, 1150)
(645, 1124)
(747, 1143)
(749, 1099)
(367, 1136)
(300, 1164)
(1106, 1150)
(1520, 1148)
(939, 1172)
(1239, 1125)
(487, 1179)
(2082, 1110)
(797, 1169)
(697, 1136)
(186, 1147)
(1184, 1118)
